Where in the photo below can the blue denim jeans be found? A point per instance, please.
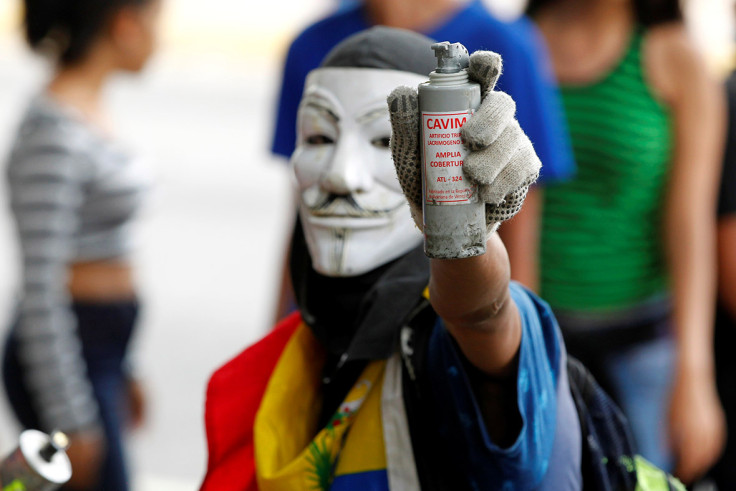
(104, 331)
(638, 375)
(641, 379)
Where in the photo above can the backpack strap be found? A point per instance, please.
(609, 460)
(607, 443)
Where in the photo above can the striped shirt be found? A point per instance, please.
(602, 245)
(73, 193)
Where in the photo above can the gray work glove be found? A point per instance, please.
(501, 162)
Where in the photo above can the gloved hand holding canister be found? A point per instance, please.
(499, 159)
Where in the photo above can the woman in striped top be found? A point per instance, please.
(73, 194)
(627, 247)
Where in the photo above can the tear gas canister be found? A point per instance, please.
(39, 463)
(454, 217)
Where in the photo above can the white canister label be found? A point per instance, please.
(444, 155)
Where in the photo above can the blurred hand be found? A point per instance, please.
(697, 425)
(136, 403)
(86, 452)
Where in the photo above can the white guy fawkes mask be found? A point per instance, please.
(354, 215)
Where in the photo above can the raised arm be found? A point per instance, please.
(472, 296)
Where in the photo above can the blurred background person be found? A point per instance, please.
(627, 250)
(201, 116)
(724, 472)
(74, 194)
(465, 21)
(527, 79)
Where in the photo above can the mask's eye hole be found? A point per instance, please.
(320, 140)
(383, 142)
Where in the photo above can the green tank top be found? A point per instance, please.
(602, 245)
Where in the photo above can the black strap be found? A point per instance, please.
(436, 472)
(414, 342)
(607, 449)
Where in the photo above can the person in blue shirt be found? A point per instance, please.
(527, 77)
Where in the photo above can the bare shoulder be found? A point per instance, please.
(672, 61)
(672, 44)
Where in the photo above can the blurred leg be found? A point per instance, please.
(641, 377)
(109, 392)
(590, 348)
(105, 331)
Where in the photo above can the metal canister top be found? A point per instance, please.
(451, 57)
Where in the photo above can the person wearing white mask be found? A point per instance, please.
(401, 372)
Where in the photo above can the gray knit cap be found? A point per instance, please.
(387, 48)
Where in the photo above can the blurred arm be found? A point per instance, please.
(46, 192)
(727, 263)
(697, 105)
(521, 237)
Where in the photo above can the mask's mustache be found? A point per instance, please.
(334, 205)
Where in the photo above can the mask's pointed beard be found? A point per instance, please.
(344, 205)
(337, 255)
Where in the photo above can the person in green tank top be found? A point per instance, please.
(627, 247)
